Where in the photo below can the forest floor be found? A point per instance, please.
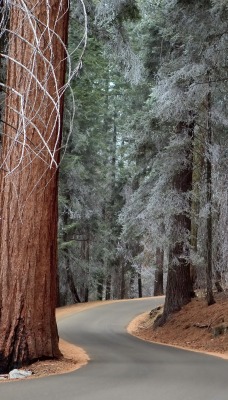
(73, 357)
(196, 327)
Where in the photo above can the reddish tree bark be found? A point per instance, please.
(28, 196)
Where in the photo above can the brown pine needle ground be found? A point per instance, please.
(195, 327)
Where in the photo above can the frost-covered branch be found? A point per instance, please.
(39, 43)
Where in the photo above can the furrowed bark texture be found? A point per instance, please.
(28, 197)
(179, 285)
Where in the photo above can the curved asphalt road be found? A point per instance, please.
(123, 367)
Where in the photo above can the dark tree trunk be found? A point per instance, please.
(218, 281)
(67, 236)
(28, 200)
(178, 290)
(132, 283)
(100, 285)
(85, 255)
(108, 288)
(198, 168)
(71, 284)
(209, 295)
(122, 283)
(86, 294)
(140, 284)
(158, 281)
(179, 286)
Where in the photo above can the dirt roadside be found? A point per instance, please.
(73, 357)
(191, 328)
(196, 327)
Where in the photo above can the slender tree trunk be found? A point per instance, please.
(111, 217)
(70, 277)
(209, 295)
(86, 294)
(71, 284)
(158, 281)
(122, 282)
(85, 256)
(108, 287)
(107, 215)
(218, 281)
(132, 283)
(198, 167)
(100, 285)
(28, 200)
(140, 284)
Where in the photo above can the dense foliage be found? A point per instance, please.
(144, 178)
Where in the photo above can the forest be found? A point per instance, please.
(114, 123)
(143, 183)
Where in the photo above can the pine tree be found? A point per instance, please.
(90, 178)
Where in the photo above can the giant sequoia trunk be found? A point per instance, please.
(28, 199)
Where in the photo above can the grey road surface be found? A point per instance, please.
(123, 367)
